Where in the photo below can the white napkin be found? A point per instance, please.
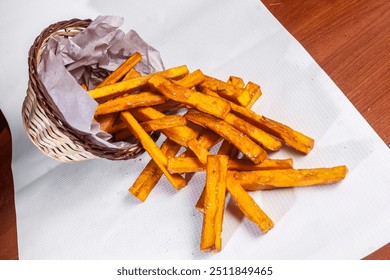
(83, 210)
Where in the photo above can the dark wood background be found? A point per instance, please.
(350, 40)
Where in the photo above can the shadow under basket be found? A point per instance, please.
(43, 122)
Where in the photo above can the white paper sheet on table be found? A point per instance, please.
(83, 210)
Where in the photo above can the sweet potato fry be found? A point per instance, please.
(200, 202)
(214, 203)
(227, 149)
(164, 123)
(180, 135)
(118, 126)
(213, 105)
(107, 121)
(151, 174)
(122, 70)
(169, 106)
(293, 138)
(191, 80)
(110, 91)
(153, 125)
(192, 164)
(255, 93)
(227, 90)
(132, 74)
(250, 149)
(259, 136)
(236, 81)
(129, 101)
(185, 165)
(151, 147)
(259, 180)
(266, 164)
(248, 205)
(197, 148)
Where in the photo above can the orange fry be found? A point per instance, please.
(293, 138)
(180, 135)
(153, 125)
(151, 174)
(213, 105)
(191, 80)
(227, 90)
(151, 147)
(259, 136)
(129, 101)
(231, 134)
(110, 91)
(132, 74)
(192, 164)
(121, 70)
(255, 93)
(215, 192)
(248, 205)
(236, 81)
(263, 179)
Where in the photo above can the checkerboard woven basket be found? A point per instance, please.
(43, 122)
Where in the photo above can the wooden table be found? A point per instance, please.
(349, 40)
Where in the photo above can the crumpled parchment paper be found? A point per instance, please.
(87, 58)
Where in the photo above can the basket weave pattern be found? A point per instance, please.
(43, 122)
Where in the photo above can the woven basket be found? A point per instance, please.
(43, 122)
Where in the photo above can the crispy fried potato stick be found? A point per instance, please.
(191, 80)
(132, 74)
(254, 90)
(255, 93)
(129, 101)
(227, 149)
(214, 203)
(259, 180)
(259, 136)
(116, 127)
(151, 174)
(250, 149)
(192, 164)
(248, 205)
(116, 89)
(200, 203)
(236, 81)
(122, 70)
(152, 125)
(197, 148)
(164, 123)
(153, 150)
(180, 135)
(293, 138)
(169, 106)
(227, 90)
(210, 104)
(107, 121)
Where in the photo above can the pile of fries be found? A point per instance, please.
(197, 112)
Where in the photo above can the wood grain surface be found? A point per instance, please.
(8, 236)
(350, 40)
